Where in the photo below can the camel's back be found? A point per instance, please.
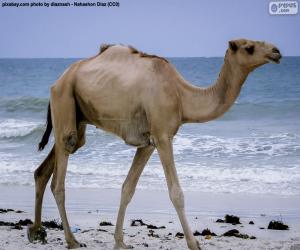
(122, 75)
(124, 62)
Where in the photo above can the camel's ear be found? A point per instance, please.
(233, 46)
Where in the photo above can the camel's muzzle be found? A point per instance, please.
(275, 56)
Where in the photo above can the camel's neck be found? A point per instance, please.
(205, 104)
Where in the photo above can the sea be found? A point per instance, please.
(254, 148)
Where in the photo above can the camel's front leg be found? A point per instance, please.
(140, 159)
(165, 151)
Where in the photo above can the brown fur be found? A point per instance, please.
(133, 50)
(104, 47)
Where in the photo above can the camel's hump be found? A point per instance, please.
(129, 49)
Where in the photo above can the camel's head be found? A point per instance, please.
(252, 54)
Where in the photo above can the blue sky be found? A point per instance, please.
(167, 28)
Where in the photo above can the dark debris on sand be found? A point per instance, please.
(231, 219)
(25, 222)
(88, 230)
(197, 233)
(205, 232)
(139, 222)
(179, 235)
(4, 223)
(18, 225)
(155, 227)
(3, 211)
(105, 223)
(236, 233)
(277, 225)
(152, 234)
(52, 224)
(231, 232)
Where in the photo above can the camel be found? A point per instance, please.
(143, 100)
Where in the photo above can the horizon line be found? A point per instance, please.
(171, 57)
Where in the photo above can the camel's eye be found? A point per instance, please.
(250, 50)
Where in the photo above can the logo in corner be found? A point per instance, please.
(283, 7)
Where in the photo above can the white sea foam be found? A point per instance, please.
(271, 145)
(201, 177)
(12, 128)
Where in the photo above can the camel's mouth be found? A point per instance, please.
(274, 58)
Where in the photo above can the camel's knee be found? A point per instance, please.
(38, 174)
(58, 191)
(41, 174)
(127, 192)
(80, 143)
(40, 181)
(81, 136)
(70, 142)
(177, 197)
(52, 187)
(44, 171)
(56, 187)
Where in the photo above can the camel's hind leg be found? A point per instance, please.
(41, 176)
(140, 159)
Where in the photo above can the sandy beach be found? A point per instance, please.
(88, 207)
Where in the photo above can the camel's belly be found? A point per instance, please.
(132, 127)
(134, 132)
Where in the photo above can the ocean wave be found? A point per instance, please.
(13, 128)
(101, 145)
(205, 178)
(21, 104)
(280, 144)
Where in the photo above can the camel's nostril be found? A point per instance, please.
(275, 50)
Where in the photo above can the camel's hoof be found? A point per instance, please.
(30, 233)
(36, 234)
(195, 245)
(198, 245)
(75, 245)
(122, 245)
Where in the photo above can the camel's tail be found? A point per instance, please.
(47, 133)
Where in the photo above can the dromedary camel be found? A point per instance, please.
(144, 100)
